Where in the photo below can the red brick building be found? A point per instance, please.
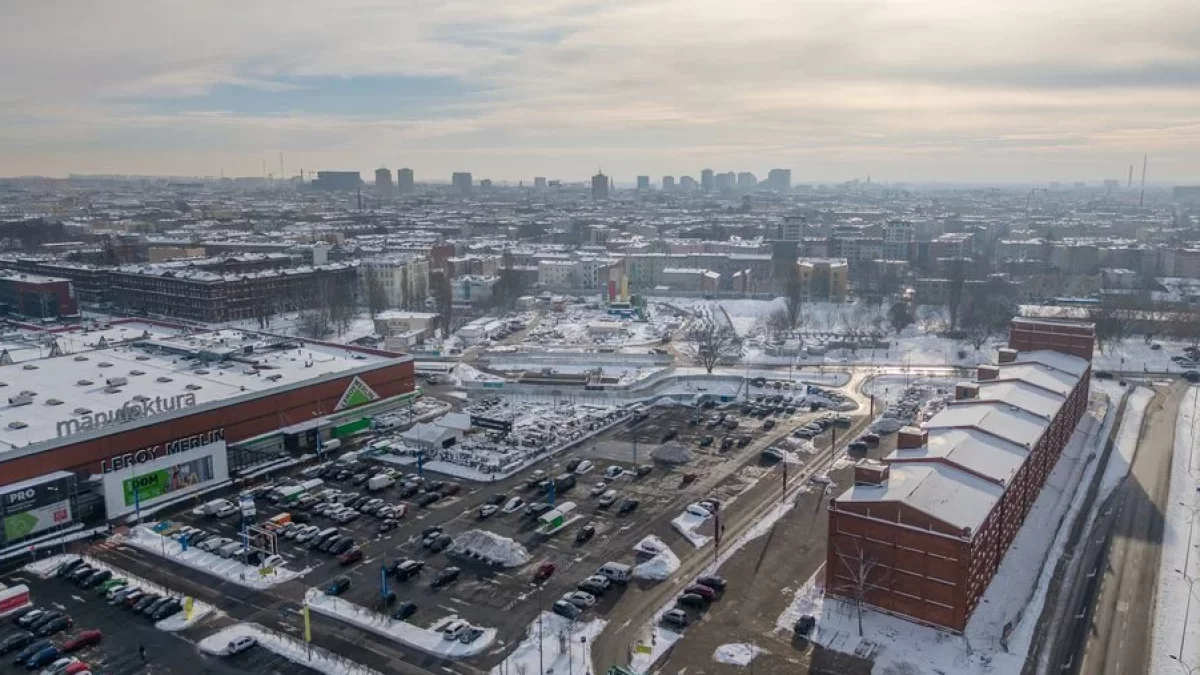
(922, 533)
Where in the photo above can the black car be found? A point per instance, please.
(713, 581)
(428, 498)
(388, 524)
(146, 601)
(16, 616)
(643, 470)
(585, 533)
(405, 610)
(447, 576)
(670, 435)
(407, 490)
(498, 500)
(170, 608)
(97, 578)
(573, 464)
(68, 567)
(44, 619)
(409, 569)
(149, 610)
(441, 543)
(29, 650)
(857, 446)
(301, 518)
(343, 545)
(434, 485)
(81, 572)
(692, 600)
(15, 641)
(337, 586)
(27, 619)
(54, 627)
(768, 425)
(329, 543)
(534, 511)
(1192, 375)
(627, 506)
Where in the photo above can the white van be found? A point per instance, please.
(228, 550)
(380, 482)
(212, 507)
(453, 629)
(614, 571)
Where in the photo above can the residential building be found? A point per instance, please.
(404, 181)
(472, 290)
(746, 181)
(599, 186)
(779, 180)
(558, 274)
(937, 515)
(462, 182)
(706, 180)
(688, 184)
(404, 279)
(725, 181)
(337, 180)
(383, 182)
(824, 279)
(539, 183)
(897, 240)
(690, 280)
(643, 183)
(668, 183)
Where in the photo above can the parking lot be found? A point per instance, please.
(508, 599)
(124, 632)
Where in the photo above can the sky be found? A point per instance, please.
(902, 90)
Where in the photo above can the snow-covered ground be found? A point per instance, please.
(1017, 592)
(428, 640)
(656, 640)
(661, 565)
(1121, 459)
(554, 633)
(1179, 567)
(45, 568)
(736, 654)
(226, 569)
(289, 648)
(687, 524)
(489, 547)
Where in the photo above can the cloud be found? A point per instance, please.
(918, 89)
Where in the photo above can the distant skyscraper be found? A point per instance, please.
(539, 183)
(746, 180)
(600, 186)
(780, 179)
(687, 183)
(725, 181)
(462, 182)
(383, 181)
(706, 180)
(668, 183)
(337, 180)
(643, 183)
(404, 181)
(485, 184)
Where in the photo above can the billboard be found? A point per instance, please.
(35, 506)
(166, 480)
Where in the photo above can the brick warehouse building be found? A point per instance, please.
(922, 533)
(171, 402)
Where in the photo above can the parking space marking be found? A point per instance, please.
(76, 598)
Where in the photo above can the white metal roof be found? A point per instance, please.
(1023, 395)
(975, 451)
(943, 492)
(999, 419)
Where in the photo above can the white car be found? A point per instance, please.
(584, 467)
(580, 599)
(59, 666)
(599, 488)
(613, 471)
(240, 644)
(307, 533)
(514, 504)
(488, 510)
(697, 510)
(271, 561)
(226, 511)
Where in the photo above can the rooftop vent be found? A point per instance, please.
(116, 382)
(137, 372)
(82, 411)
(53, 401)
(201, 371)
(85, 383)
(27, 392)
(192, 387)
(163, 378)
(112, 390)
(17, 424)
(81, 358)
(20, 399)
(275, 378)
(141, 397)
(142, 357)
(29, 366)
(104, 364)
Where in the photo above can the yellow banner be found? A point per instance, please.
(187, 608)
(307, 624)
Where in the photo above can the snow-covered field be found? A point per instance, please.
(1017, 592)
(661, 565)
(45, 568)
(736, 654)
(554, 633)
(289, 648)
(428, 640)
(226, 569)
(1179, 566)
(583, 326)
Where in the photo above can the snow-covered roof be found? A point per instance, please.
(1025, 396)
(989, 456)
(998, 419)
(940, 491)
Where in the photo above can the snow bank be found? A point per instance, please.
(490, 547)
(227, 569)
(1175, 593)
(653, 645)
(554, 631)
(661, 565)
(1125, 447)
(291, 649)
(736, 654)
(428, 640)
(176, 622)
(672, 452)
(686, 524)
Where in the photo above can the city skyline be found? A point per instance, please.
(905, 93)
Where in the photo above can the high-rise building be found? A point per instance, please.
(404, 181)
(462, 182)
(539, 183)
(746, 180)
(643, 183)
(599, 186)
(725, 181)
(383, 181)
(687, 183)
(668, 183)
(706, 180)
(780, 180)
(485, 184)
(337, 180)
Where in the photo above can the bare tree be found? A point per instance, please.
(443, 298)
(900, 316)
(1111, 326)
(377, 298)
(313, 323)
(710, 343)
(860, 572)
(793, 300)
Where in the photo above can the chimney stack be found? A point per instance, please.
(985, 373)
(911, 437)
(871, 472)
(966, 390)
(1008, 355)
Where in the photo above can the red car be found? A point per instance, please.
(544, 571)
(77, 668)
(84, 638)
(702, 591)
(350, 557)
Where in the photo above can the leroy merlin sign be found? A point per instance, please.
(356, 394)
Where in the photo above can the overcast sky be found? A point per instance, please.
(1023, 90)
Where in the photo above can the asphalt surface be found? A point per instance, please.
(1119, 636)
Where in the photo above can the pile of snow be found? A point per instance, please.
(686, 524)
(736, 654)
(664, 402)
(887, 425)
(673, 452)
(428, 640)
(555, 631)
(289, 648)
(489, 547)
(662, 564)
(46, 567)
(227, 569)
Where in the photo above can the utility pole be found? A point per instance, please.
(1142, 196)
(832, 445)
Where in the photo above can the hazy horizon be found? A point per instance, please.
(953, 92)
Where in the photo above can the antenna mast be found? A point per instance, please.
(1142, 197)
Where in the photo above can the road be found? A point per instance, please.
(1129, 533)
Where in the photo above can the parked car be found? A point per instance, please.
(240, 644)
(441, 543)
(514, 505)
(607, 499)
(717, 583)
(488, 510)
(29, 650)
(544, 571)
(702, 590)
(153, 607)
(68, 567)
(405, 610)
(169, 608)
(692, 600)
(675, 617)
(566, 609)
(343, 545)
(599, 489)
(44, 619)
(627, 506)
(27, 618)
(40, 659)
(54, 627)
(96, 578)
(585, 533)
(643, 470)
(446, 577)
(581, 599)
(15, 641)
(857, 446)
(409, 569)
(84, 638)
